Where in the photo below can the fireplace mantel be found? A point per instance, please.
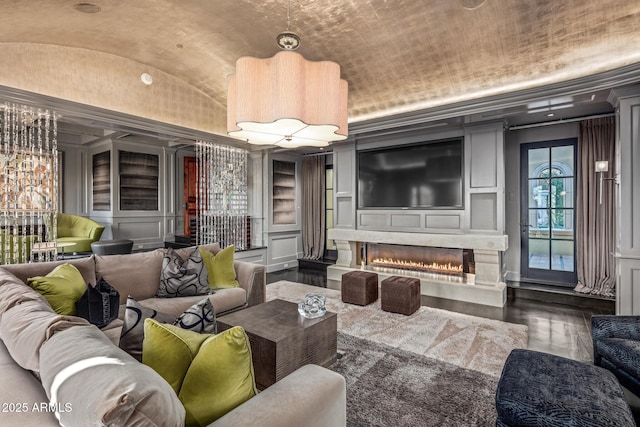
(488, 287)
(464, 241)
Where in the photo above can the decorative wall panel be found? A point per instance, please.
(483, 154)
(483, 211)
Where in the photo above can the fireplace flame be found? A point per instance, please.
(418, 265)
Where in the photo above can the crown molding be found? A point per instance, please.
(606, 80)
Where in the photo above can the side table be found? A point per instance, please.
(48, 251)
(282, 340)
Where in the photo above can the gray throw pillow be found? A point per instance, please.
(133, 326)
(180, 278)
(200, 317)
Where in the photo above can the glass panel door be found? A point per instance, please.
(548, 217)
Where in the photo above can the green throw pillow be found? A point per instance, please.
(212, 374)
(220, 269)
(62, 288)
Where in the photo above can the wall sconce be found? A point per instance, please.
(601, 167)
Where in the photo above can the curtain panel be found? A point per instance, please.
(313, 207)
(595, 221)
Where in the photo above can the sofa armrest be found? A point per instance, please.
(312, 396)
(626, 327)
(253, 279)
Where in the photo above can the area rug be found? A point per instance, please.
(467, 341)
(390, 387)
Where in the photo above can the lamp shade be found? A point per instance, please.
(288, 101)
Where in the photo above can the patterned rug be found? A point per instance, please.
(466, 341)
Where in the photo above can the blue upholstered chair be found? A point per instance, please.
(541, 389)
(616, 347)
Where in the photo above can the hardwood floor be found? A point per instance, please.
(557, 324)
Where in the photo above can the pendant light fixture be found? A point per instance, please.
(286, 100)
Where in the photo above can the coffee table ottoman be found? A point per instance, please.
(359, 287)
(282, 340)
(538, 388)
(400, 295)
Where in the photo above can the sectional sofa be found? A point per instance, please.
(39, 347)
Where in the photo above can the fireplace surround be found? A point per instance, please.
(481, 283)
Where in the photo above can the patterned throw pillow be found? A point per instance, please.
(133, 326)
(200, 317)
(180, 278)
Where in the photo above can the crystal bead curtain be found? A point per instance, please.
(28, 180)
(222, 196)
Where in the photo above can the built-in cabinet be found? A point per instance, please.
(284, 192)
(281, 190)
(627, 241)
(129, 187)
(101, 183)
(139, 174)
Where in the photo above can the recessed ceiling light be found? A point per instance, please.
(87, 7)
(550, 115)
(146, 78)
(472, 4)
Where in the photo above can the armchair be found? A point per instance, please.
(79, 230)
(616, 347)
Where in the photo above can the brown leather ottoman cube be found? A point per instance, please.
(359, 287)
(400, 295)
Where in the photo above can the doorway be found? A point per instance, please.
(190, 196)
(547, 206)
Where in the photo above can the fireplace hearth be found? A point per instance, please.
(447, 261)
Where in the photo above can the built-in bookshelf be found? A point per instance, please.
(284, 192)
(102, 181)
(139, 174)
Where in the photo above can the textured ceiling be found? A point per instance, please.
(397, 56)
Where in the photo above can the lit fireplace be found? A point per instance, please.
(419, 258)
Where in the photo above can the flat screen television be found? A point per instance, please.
(427, 175)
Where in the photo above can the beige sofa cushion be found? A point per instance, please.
(26, 326)
(86, 266)
(13, 292)
(103, 384)
(21, 388)
(137, 274)
(223, 300)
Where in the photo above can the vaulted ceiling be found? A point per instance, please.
(398, 56)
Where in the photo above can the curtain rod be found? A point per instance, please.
(324, 153)
(557, 122)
